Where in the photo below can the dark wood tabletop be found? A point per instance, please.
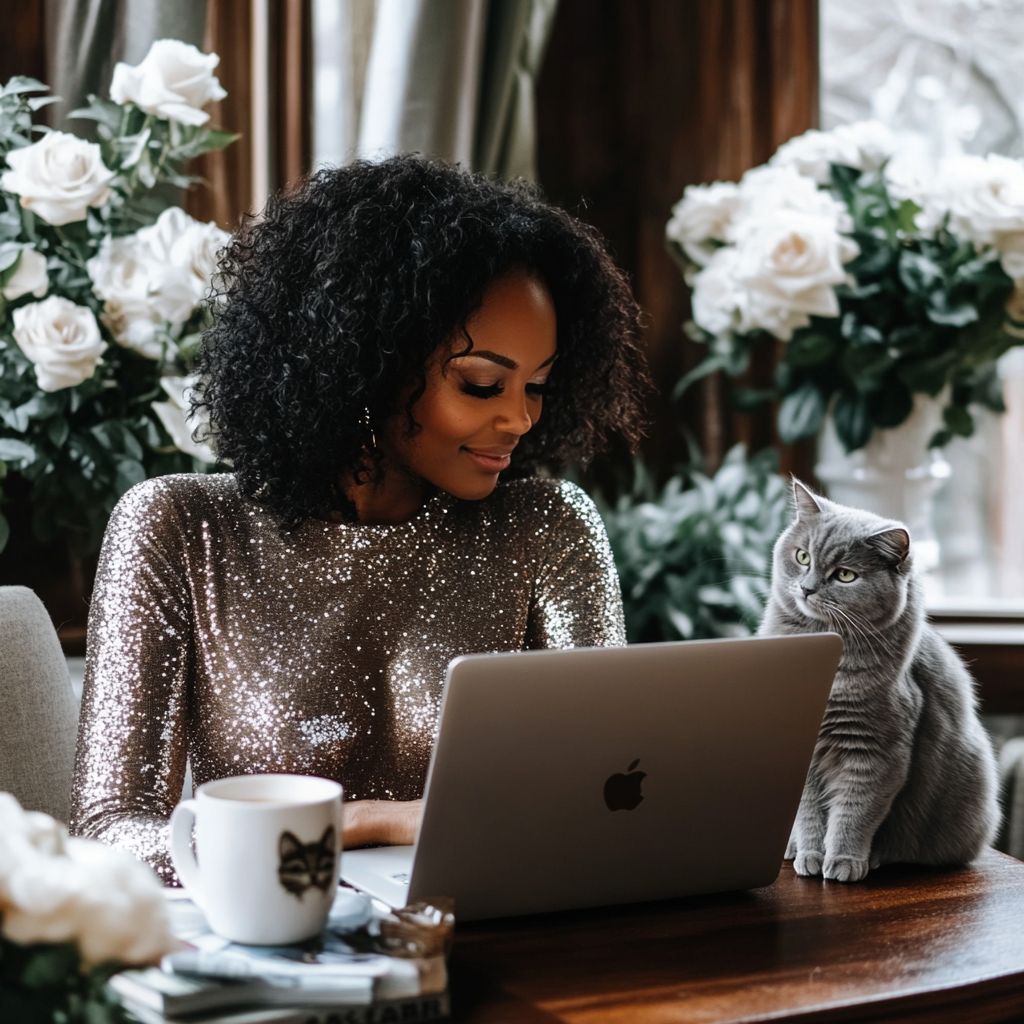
(907, 944)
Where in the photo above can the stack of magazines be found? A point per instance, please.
(371, 965)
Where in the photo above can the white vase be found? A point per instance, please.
(895, 475)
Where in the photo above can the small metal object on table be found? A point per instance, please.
(907, 944)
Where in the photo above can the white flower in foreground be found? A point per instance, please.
(59, 889)
(159, 274)
(175, 416)
(864, 145)
(58, 178)
(61, 339)
(29, 276)
(174, 81)
(702, 217)
(985, 199)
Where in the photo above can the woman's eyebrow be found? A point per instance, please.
(494, 357)
(509, 364)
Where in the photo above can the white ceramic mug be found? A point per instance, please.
(269, 852)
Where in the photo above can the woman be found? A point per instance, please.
(386, 340)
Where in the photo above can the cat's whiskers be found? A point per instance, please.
(879, 636)
(870, 638)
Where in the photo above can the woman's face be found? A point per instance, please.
(476, 407)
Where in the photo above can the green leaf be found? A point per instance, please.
(890, 406)
(958, 420)
(927, 376)
(810, 349)
(19, 84)
(920, 274)
(801, 413)
(707, 366)
(57, 431)
(906, 213)
(5, 531)
(940, 312)
(18, 453)
(866, 364)
(129, 473)
(749, 399)
(852, 420)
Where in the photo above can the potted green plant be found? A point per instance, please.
(103, 285)
(694, 559)
(890, 284)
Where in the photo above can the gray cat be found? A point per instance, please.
(902, 770)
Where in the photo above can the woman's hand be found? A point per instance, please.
(388, 822)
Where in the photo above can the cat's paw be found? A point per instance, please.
(845, 869)
(791, 849)
(808, 862)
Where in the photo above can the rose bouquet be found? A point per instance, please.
(103, 286)
(72, 913)
(885, 277)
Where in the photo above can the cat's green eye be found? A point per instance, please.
(803, 557)
(845, 575)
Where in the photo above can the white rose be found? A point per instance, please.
(865, 145)
(159, 274)
(57, 889)
(58, 177)
(985, 199)
(716, 293)
(178, 241)
(61, 339)
(121, 278)
(196, 251)
(767, 190)
(174, 81)
(702, 216)
(30, 276)
(176, 414)
(788, 264)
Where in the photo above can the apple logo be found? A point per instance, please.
(622, 792)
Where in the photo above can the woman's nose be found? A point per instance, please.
(514, 416)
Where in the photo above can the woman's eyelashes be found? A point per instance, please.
(497, 388)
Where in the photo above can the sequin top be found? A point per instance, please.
(323, 651)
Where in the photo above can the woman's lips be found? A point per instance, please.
(491, 461)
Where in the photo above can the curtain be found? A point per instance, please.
(454, 79)
(635, 102)
(86, 38)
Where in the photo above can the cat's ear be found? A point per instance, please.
(805, 500)
(894, 545)
(289, 846)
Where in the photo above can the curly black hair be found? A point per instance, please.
(332, 302)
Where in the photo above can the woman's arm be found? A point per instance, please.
(130, 763)
(383, 822)
(577, 600)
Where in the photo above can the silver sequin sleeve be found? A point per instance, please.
(215, 637)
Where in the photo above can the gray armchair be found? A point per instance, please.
(38, 708)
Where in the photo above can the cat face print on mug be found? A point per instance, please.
(268, 849)
(307, 865)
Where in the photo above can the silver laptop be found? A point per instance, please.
(591, 776)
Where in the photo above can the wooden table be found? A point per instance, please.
(907, 944)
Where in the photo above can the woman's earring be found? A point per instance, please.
(369, 427)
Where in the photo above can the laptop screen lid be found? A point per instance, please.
(582, 777)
